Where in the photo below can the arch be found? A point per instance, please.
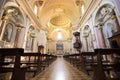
(99, 7)
(63, 32)
(102, 19)
(87, 38)
(86, 29)
(31, 34)
(31, 28)
(13, 5)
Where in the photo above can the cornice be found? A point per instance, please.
(88, 12)
(26, 7)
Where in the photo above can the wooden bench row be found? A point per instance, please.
(16, 61)
(102, 64)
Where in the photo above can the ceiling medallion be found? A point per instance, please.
(60, 20)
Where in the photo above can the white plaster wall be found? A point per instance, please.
(42, 39)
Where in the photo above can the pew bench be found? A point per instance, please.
(106, 64)
(16, 61)
(12, 65)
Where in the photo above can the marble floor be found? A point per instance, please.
(61, 70)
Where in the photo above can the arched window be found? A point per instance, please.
(59, 36)
(30, 39)
(83, 9)
(35, 9)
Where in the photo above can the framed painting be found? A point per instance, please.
(59, 46)
(8, 32)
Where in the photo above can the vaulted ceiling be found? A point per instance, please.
(59, 15)
(60, 11)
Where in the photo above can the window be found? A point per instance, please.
(59, 36)
(83, 9)
(35, 9)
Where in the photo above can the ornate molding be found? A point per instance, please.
(88, 12)
(4, 18)
(24, 4)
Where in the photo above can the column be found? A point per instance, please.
(19, 27)
(2, 28)
(86, 41)
(116, 8)
(100, 27)
(33, 38)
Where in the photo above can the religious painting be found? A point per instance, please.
(8, 32)
(59, 46)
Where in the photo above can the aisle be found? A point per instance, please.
(61, 70)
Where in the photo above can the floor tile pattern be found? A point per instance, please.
(61, 70)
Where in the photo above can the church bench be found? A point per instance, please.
(106, 64)
(99, 66)
(36, 62)
(80, 61)
(73, 59)
(12, 65)
(100, 63)
(88, 58)
(19, 62)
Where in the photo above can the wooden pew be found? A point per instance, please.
(106, 64)
(73, 59)
(81, 61)
(23, 62)
(36, 62)
(14, 55)
(88, 58)
(101, 63)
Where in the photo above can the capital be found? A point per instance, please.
(100, 27)
(20, 25)
(4, 18)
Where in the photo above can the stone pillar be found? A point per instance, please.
(100, 27)
(19, 27)
(117, 9)
(2, 28)
(33, 39)
(86, 41)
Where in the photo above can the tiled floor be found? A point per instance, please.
(61, 70)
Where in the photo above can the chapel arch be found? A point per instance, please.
(106, 24)
(11, 15)
(87, 38)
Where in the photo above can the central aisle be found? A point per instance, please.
(61, 70)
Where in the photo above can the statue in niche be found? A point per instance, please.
(8, 33)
